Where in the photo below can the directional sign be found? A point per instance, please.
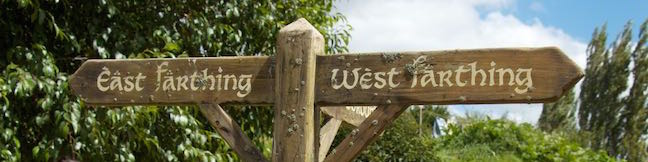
(505, 75)
(175, 81)
(517, 75)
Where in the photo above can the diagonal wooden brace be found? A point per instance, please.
(327, 134)
(231, 132)
(366, 133)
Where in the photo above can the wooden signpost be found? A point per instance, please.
(300, 78)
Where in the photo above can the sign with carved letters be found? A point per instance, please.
(299, 79)
(512, 75)
(174, 81)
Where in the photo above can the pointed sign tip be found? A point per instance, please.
(574, 72)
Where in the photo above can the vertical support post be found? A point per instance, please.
(420, 120)
(298, 43)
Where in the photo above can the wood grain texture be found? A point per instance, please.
(341, 113)
(553, 73)
(84, 81)
(231, 132)
(294, 137)
(327, 134)
(366, 133)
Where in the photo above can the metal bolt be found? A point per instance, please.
(303, 82)
(298, 61)
(462, 98)
(348, 64)
(340, 57)
(389, 101)
(375, 94)
(351, 143)
(374, 122)
(354, 132)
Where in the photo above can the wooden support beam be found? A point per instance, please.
(344, 114)
(368, 131)
(327, 134)
(294, 137)
(231, 132)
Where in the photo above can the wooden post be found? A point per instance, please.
(298, 43)
(420, 120)
(231, 132)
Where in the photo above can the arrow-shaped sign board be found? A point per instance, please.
(505, 75)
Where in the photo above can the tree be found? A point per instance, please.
(477, 139)
(635, 113)
(399, 142)
(558, 115)
(613, 121)
(503, 140)
(42, 42)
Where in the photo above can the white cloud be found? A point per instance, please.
(416, 25)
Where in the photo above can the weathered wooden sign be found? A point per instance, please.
(175, 81)
(301, 79)
(506, 75)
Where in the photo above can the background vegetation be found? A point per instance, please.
(610, 113)
(43, 41)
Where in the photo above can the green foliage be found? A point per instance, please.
(399, 142)
(612, 120)
(475, 139)
(636, 112)
(558, 115)
(43, 41)
(504, 140)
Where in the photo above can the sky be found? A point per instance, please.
(424, 25)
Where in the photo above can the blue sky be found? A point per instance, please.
(419, 25)
(578, 17)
